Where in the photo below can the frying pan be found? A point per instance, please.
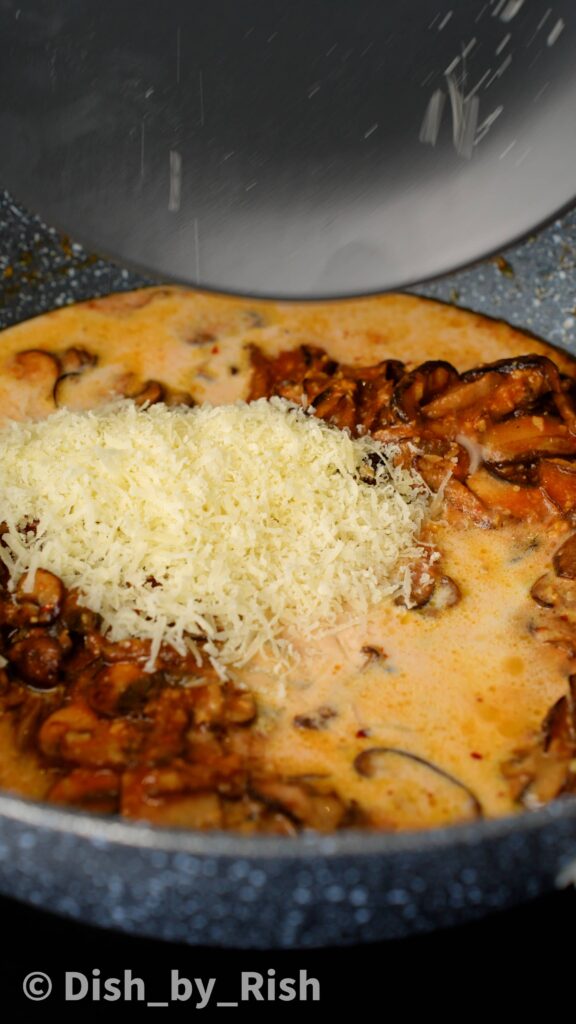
(224, 889)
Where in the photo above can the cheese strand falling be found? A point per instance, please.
(249, 525)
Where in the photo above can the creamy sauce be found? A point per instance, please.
(461, 688)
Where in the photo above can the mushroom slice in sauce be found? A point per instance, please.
(419, 789)
(95, 387)
(527, 437)
(317, 719)
(310, 808)
(564, 560)
(501, 496)
(544, 770)
(90, 789)
(557, 478)
(418, 388)
(74, 360)
(497, 389)
(27, 386)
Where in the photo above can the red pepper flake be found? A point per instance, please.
(477, 757)
(215, 350)
(362, 734)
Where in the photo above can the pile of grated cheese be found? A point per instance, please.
(246, 524)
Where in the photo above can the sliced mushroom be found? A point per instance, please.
(461, 396)
(546, 591)
(418, 388)
(557, 478)
(526, 438)
(315, 720)
(36, 373)
(93, 388)
(446, 594)
(174, 398)
(177, 794)
(150, 393)
(498, 389)
(373, 654)
(424, 791)
(502, 497)
(92, 790)
(76, 617)
(523, 474)
(198, 810)
(74, 360)
(468, 506)
(304, 804)
(120, 689)
(35, 707)
(42, 593)
(564, 560)
(74, 733)
(544, 770)
(422, 583)
(337, 404)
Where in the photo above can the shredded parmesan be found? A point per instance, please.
(248, 525)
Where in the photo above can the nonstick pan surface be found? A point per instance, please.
(219, 889)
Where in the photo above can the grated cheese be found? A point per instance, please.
(248, 525)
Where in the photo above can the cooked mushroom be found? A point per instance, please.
(75, 734)
(564, 560)
(511, 499)
(544, 770)
(422, 580)
(37, 658)
(93, 388)
(373, 654)
(74, 360)
(446, 594)
(546, 591)
(301, 802)
(557, 478)
(148, 394)
(418, 388)
(120, 689)
(43, 592)
(417, 782)
(337, 404)
(35, 372)
(92, 790)
(525, 438)
(497, 389)
(468, 505)
(317, 719)
(523, 474)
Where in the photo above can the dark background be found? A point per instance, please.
(525, 954)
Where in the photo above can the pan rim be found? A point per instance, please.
(106, 831)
